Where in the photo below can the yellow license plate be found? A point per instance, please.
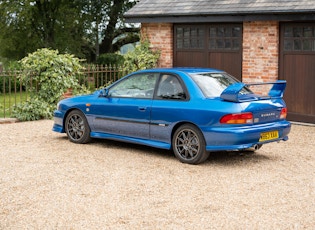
(269, 136)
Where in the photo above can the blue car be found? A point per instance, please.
(192, 111)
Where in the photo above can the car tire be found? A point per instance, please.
(189, 145)
(77, 127)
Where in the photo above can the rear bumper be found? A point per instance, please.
(237, 138)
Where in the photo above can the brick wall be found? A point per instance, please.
(260, 51)
(260, 48)
(160, 36)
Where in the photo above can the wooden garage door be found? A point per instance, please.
(216, 46)
(297, 66)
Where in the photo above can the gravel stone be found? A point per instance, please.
(47, 182)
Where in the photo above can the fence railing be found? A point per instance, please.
(13, 91)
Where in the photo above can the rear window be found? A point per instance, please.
(213, 84)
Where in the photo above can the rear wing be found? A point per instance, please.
(233, 92)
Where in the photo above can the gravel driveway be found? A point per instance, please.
(46, 182)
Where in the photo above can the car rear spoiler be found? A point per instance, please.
(232, 93)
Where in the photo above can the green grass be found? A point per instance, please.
(8, 100)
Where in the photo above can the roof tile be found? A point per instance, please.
(219, 7)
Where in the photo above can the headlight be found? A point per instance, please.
(58, 106)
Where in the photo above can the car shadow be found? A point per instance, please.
(236, 157)
(143, 149)
(219, 158)
(224, 157)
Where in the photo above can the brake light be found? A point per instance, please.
(283, 114)
(239, 118)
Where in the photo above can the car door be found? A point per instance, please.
(168, 106)
(127, 108)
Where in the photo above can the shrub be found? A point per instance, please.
(142, 57)
(110, 59)
(34, 109)
(51, 75)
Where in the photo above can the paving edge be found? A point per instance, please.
(302, 123)
(8, 120)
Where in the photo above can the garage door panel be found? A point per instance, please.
(209, 45)
(229, 62)
(297, 67)
(190, 59)
(300, 83)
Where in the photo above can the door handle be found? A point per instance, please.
(142, 109)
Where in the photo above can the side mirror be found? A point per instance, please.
(103, 93)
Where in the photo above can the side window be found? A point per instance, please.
(135, 86)
(170, 88)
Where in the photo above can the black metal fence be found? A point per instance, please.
(14, 91)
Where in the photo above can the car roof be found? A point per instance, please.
(184, 70)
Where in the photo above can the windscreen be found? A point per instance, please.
(213, 84)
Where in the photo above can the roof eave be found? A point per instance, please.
(232, 17)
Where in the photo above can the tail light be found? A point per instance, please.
(238, 118)
(283, 114)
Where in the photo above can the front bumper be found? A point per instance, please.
(58, 122)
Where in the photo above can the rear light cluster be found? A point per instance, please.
(283, 114)
(238, 118)
(246, 118)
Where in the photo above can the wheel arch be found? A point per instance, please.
(80, 131)
(183, 123)
(67, 113)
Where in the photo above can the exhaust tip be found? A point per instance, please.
(254, 147)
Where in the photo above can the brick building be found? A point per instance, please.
(256, 41)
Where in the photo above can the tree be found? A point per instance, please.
(126, 34)
(81, 27)
(107, 23)
(16, 39)
(27, 25)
